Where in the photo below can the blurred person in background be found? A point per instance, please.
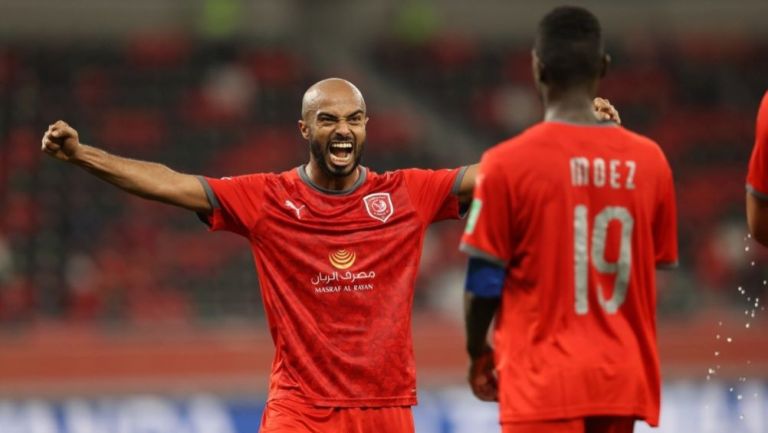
(569, 220)
(757, 179)
(337, 248)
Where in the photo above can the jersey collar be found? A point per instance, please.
(302, 172)
(599, 124)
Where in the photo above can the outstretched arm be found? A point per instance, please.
(145, 179)
(604, 110)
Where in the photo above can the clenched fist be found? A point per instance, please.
(482, 377)
(61, 141)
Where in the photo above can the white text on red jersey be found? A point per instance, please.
(602, 173)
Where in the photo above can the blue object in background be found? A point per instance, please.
(695, 407)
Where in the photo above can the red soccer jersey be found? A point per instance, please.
(757, 178)
(337, 274)
(579, 215)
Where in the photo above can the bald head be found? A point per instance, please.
(330, 91)
(333, 122)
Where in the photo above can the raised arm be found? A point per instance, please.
(145, 179)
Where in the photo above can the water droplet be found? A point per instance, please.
(717, 353)
(729, 339)
(752, 263)
(717, 337)
(741, 417)
(749, 362)
(711, 371)
(707, 377)
(719, 323)
(747, 325)
(749, 235)
(765, 282)
(739, 397)
(746, 248)
(730, 389)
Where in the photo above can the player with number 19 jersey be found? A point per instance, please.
(580, 215)
(337, 272)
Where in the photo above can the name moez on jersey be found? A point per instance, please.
(616, 173)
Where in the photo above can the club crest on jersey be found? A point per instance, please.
(379, 206)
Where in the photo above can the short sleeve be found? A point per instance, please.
(236, 202)
(489, 224)
(665, 222)
(434, 193)
(757, 178)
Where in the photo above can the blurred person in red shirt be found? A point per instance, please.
(757, 178)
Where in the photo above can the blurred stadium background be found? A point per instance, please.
(123, 316)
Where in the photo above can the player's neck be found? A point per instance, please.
(331, 183)
(572, 106)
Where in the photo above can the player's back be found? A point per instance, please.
(591, 213)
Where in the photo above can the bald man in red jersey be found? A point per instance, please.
(337, 249)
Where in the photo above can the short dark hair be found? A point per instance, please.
(570, 45)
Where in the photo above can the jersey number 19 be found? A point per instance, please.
(621, 267)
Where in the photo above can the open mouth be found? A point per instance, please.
(341, 152)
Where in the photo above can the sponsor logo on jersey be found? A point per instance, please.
(342, 259)
(379, 206)
(289, 204)
(343, 282)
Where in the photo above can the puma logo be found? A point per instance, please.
(290, 204)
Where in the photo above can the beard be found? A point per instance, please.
(325, 164)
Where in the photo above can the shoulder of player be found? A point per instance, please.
(240, 178)
(644, 142)
(410, 177)
(762, 115)
(402, 173)
(256, 179)
(764, 104)
(519, 143)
